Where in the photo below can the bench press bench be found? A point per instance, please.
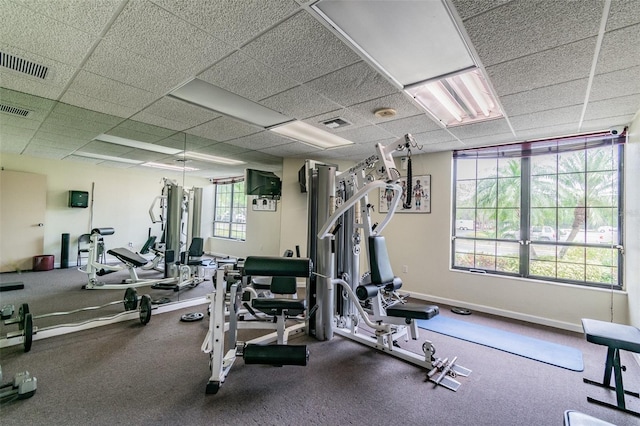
(615, 337)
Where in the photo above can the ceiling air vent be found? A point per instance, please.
(336, 123)
(22, 65)
(14, 111)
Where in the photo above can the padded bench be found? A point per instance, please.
(127, 256)
(412, 311)
(615, 337)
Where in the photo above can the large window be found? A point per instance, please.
(230, 211)
(546, 210)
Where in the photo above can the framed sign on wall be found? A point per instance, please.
(420, 202)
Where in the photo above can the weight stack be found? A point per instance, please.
(64, 252)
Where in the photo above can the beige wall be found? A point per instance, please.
(632, 220)
(121, 200)
(422, 243)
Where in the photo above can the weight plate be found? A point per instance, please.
(28, 332)
(130, 299)
(22, 312)
(145, 309)
(192, 316)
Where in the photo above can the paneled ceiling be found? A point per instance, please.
(558, 67)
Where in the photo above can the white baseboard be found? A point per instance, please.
(501, 312)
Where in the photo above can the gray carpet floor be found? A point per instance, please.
(156, 374)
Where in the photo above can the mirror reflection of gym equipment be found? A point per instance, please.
(181, 221)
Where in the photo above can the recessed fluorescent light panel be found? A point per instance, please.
(410, 41)
(311, 135)
(169, 167)
(414, 44)
(457, 100)
(212, 158)
(207, 95)
(137, 144)
(105, 157)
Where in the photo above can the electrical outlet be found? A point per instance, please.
(405, 268)
(130, 244)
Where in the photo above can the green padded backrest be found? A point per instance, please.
(283, 285)
(381, 272)
(277, 266)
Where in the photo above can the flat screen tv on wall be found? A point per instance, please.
(262, 183)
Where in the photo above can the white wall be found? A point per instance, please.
(122, 198)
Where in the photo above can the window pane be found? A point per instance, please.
(571, 161)
(509, 192)
(544, 191)
(465, 169)
(466, 194)
(544, 165)
(487, 168)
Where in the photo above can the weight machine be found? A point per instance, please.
(364, 305)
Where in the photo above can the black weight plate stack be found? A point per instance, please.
(27, 326)
(130, 299)
(145, 309)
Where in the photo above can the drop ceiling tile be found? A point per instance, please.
(301, 48)
(224, 129)
(56, 140)
(548, 97)
(565, 63)
(131, 129)
(45, 152)
(432, 138)
(18, 122)
(623, 13)
(142, 155)
(76, 113)
(192, 142)
(14, 81)
(353, 85)
(400, 102)
(366, 134)
(354, 152)
(90, 17)
(77, 123)
(620, 49)
(43, 36)
(56, 128)
(224, 150)
(234, 22)
(468, 8)
(106, 148)
(624, 105)
(289, 149)
(79, 159)
(67, 145)
(484, 128)
(117, 63)
(300, 102)
(538, 120)
(112, 91)
(39, 105)
(262, 158)
(153, 32)
(174, 114)
(551, 131)
(260, 140)
(117, 165)
(606, 123)
(615, 84)
(13, 145)
(519, 29)
(96, 104)
(14, 133)
(416, 124)
(246, 77)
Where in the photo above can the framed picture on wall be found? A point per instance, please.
(420, 187)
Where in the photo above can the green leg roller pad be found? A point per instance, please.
(276, 354)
